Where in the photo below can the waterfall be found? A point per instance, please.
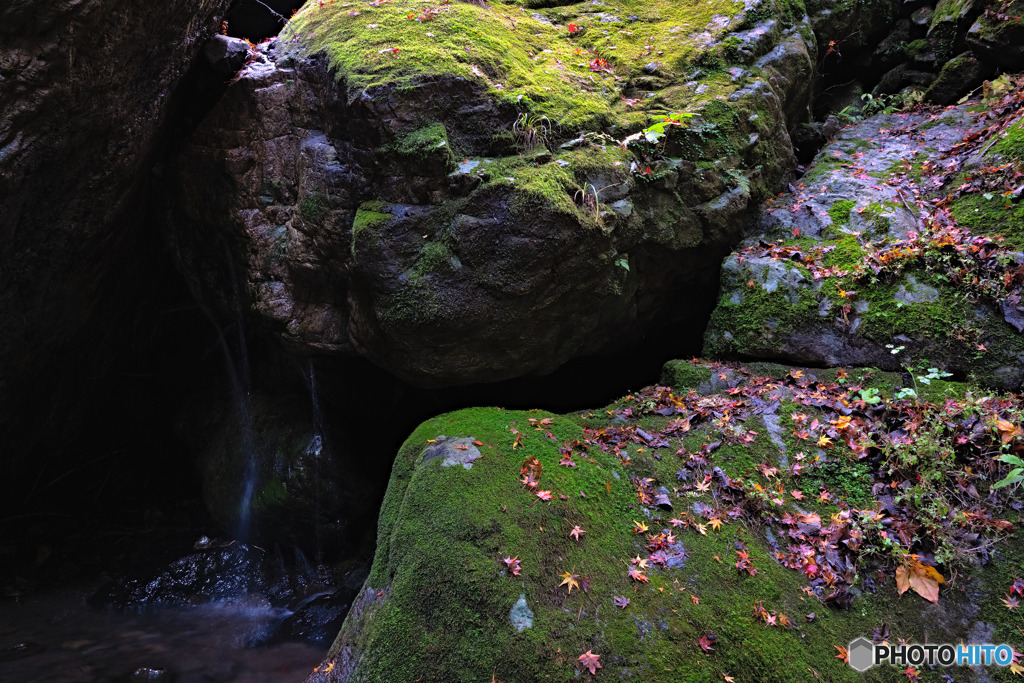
(241, 387)
(316, 448)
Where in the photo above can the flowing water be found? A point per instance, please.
(58, 638)
(241, 385)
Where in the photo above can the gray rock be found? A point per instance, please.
(460, 451)
(225, 54)
(913, 292)
(521, 616)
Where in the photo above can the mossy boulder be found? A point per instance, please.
(855, 267)
(474, 573)
(998, 35)
(556, 178)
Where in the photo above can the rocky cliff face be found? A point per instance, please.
(85, 88)
(463, 196)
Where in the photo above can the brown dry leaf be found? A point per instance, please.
(1008, 431)
(923, 579)
(902, 579)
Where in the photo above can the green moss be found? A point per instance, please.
(990, 216)
(434, 257)
(546, 187)
(682, 375)
(1012, 143)
(313, 207)
(534, 65)
(424, 145)
(840, 212)
(847, 254)
(917, 47)
(370, 217)
(888, 317)
(270, 495)
(942, 121)
(755, 322)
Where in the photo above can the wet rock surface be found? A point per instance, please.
(208, 574)
(792, 290)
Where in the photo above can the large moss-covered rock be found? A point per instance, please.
(459, 193)
(469, 579)
(899, 247)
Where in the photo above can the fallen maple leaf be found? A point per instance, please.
(706, 641)
(923, 579)
(639, 527)
(621, 601)
(1011, 602)
(513, 564)
(569, 579)
(576, 532)
(715, 523)
(843, 654)
(544, 495)
(694, 599)
(589, 661)
(638, 575)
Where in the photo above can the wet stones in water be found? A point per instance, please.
(201, 576)
(317, 620)
(145, 673)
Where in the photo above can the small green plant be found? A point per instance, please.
(1015, 476)
(589, 200)
(870, 396)
(532, 130)
(656, 131)
(933, 373)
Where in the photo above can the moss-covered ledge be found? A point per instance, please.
(742, 505)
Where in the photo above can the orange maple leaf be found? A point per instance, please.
(589, 661)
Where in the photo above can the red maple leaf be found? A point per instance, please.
(706, 641)
(513, 564)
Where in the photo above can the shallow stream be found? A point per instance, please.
(57, 637)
